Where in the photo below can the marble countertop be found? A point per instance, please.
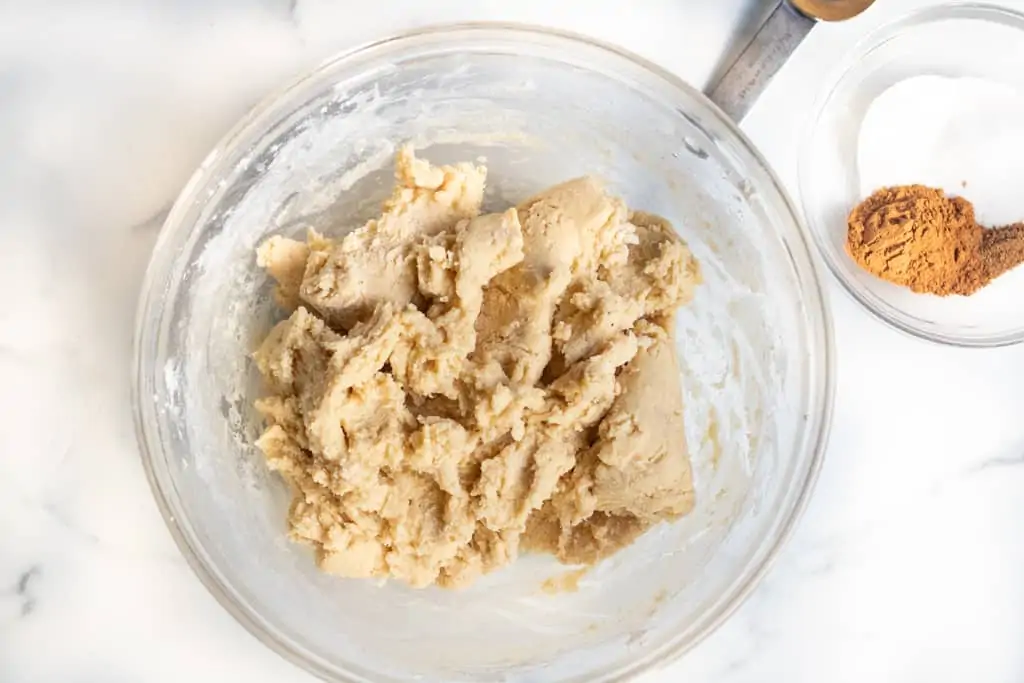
(906, 567)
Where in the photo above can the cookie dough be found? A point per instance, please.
(452, 388)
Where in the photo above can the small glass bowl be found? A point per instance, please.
(959, 40)
(540, 106)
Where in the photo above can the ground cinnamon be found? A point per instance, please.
(918, 237)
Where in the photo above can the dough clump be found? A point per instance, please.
(452, 388)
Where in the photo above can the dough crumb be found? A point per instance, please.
(566, 582)
(452, 388)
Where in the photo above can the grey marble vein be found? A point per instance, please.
(23, 590)
(1002, 461)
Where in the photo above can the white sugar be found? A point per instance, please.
(964, 135)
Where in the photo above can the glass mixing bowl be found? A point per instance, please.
(953, 41)
(540, 107)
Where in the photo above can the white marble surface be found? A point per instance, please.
(906, 567)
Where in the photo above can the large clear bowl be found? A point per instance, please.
(953, 41)
(540, 107)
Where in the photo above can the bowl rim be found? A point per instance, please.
(848, 65)
(812, 437)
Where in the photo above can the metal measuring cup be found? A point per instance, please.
(788, 23)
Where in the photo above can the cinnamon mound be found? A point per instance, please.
(917, 237)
